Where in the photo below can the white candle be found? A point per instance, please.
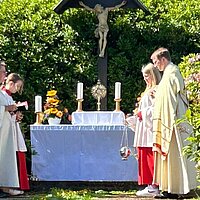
(80, 91)
(117, 90)
(38, 103)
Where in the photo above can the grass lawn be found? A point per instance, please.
(84, 191)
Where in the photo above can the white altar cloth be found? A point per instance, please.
(98, 118)
(81, 153)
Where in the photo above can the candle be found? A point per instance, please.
(38, 103)
(117, 90)
(80, 90)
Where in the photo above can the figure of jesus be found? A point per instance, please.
(102, 29)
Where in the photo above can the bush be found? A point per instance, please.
(190, 68)
(54, 51)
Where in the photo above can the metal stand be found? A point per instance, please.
(117, 104)
(79, 108)
(39, 117)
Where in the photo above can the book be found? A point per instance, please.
(22, 106)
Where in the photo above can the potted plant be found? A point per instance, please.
(52, 109)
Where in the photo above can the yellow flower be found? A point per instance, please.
(59, 114)
(51, 107)
(65, 110)
(51, 93)
(53, 101)
(48, 111)
(53, 110)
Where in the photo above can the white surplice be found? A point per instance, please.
(143, 128)
(8, 158)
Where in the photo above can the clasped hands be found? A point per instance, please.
(12, 110)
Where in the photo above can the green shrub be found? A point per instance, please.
(190, 68)
(54, 51)
(57, 51)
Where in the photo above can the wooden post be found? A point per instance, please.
(102, 62)
(102, 67)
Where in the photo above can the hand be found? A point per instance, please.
(70, 118)
(11, 108)
(19, 116)
(152, 93)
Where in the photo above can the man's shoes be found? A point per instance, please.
(149, 191)
(166, 195)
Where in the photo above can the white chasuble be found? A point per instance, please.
(173, 171)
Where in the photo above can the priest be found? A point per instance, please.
(175, 174)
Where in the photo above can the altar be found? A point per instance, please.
(81, 153)
(98, 118)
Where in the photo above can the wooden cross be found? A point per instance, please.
(106, 5)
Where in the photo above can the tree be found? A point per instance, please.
(56, 51)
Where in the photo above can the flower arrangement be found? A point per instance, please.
(52, 108)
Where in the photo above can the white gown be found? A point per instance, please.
(173, 171)
(143, 129)
(8, 158)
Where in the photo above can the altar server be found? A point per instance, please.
(142, 125)
(12, 140)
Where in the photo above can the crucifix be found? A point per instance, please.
(101, 8)
(102, 29)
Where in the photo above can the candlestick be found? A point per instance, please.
(117, 90)
(38, 104)
(39, 117)
(80, 90)
(79, 108)
(117, 104)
